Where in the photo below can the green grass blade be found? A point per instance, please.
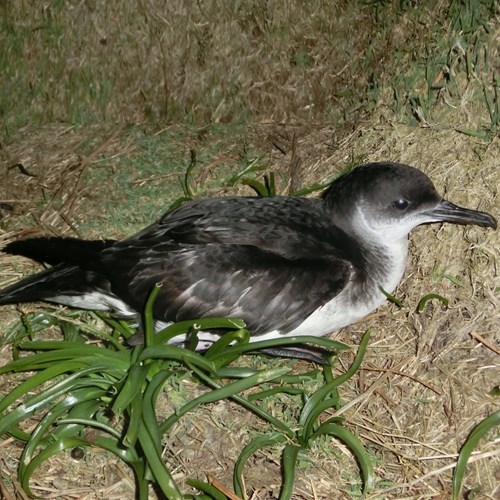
(240, 336)
(477, 433)
(59, 350)
(251, 406)
(254, 166)
(430, 296)
(149, 322)
(309, 411)
(275, 390)
(315, 411)
(252, 347)
(131, 388)
(183, 327)
(390, 297)
(135, 410)
(212, 492)
(41, 378)
(236, 372)
(257, 186)
(149, 401)
(49, 451)
(226, 391)
(356, 447)
(270, 182)
(155, 463)
(244, 371)
(172, 352)
(128, 456)
(76, 401)
(254, 445)
(313, 187)
(288, 464)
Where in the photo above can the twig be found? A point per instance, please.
(402, 374)
(221, 487)
(485, 342)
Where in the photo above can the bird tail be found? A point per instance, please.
(54, 250)
(59, 281)
(67, 281)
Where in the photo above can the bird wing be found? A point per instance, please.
(268, 261)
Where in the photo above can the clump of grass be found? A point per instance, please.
(105, 396)
(452, 68)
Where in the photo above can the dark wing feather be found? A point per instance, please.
(268, 261)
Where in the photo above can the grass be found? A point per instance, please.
(109, 104)
(77, 389)
(168, 62)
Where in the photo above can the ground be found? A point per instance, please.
(427, 378)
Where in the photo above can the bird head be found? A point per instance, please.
(385, 201)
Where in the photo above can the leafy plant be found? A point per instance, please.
(246, 177)
(311, 428)
(105, 396)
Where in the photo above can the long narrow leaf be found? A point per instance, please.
(131, 388)
(357, 448)
(430, 296)
(36, 381)
(128, 456)
(223, 392)
(247, 452)
(275, 390)
(149, 323)
(38, 435)
(183, 327)
(240, 336)
(149, 403)
(41, 400)
(172, 352)
(288, 462)
(332, 345)
(477, 433)
(212, 492)
(309, 414)
(245, 403)
(135, 409)
(157, 466)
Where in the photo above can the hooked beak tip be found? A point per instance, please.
(449, 212)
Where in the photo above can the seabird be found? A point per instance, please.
(287, 266)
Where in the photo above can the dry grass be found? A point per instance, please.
(168, 59)
(425, 379)
(427, 375)
(226, 62)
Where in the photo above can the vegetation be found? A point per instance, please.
(113, 111)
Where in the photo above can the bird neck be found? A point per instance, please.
(382, 254)
(385, 262)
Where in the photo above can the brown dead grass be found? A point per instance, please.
(169, 58)
(426, 376)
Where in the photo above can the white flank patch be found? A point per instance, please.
(96, 301)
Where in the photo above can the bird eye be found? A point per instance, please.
(401, 204)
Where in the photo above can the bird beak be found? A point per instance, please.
(448, 212)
